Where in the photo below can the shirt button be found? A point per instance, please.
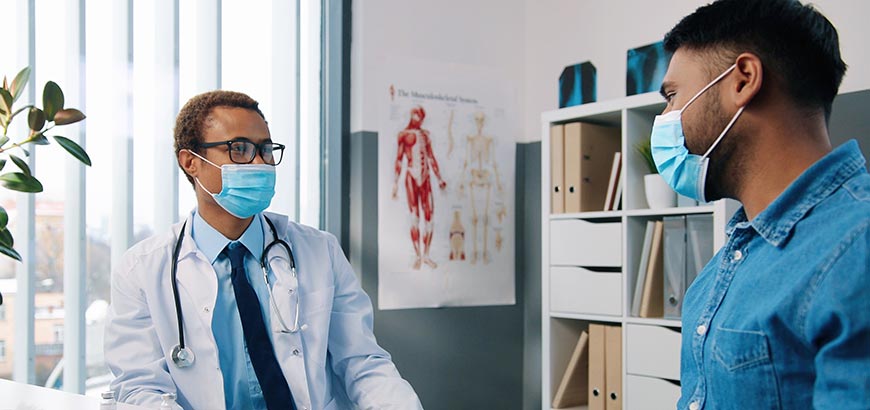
(206, 309)
(291, 290)
(296, 352)
(694, 405)
(738, 255)
(701, 329)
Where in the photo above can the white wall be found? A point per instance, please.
(560, 33)
(533, 40)
(485, 33)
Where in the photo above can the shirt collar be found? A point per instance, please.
(211, 242)
(818, 182)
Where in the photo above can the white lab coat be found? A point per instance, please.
(334, 363)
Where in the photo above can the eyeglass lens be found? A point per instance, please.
(243, 152)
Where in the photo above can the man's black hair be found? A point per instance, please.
(797, 45)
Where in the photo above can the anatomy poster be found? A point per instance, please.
(446, 161)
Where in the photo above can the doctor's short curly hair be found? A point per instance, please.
(194, 117)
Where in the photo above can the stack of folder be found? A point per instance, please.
(674, 251)
(688, 246)
(648, 300)
(594, 372)
(581, 167)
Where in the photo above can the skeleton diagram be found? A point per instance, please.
(479, 156)
(415, 150)
(457, 238)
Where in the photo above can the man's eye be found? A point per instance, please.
(669, 97)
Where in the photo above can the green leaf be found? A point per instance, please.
(36, 119)
(3, 140)
(2, 163)
(19, 83)
(21, 164)
(52, 100)
(10, 252)
(20, 182)
(5, 101)
(4, 218)
(68, 116)
(40, 140)
(25, 151)
(6, 238)
(74, 149)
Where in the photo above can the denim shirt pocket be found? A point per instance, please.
(743, 369)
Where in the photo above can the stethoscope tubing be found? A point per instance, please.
(181, 349)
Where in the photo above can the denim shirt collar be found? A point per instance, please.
(819, 181)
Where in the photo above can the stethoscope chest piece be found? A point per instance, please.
(182, 356)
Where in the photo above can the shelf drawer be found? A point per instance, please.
(575, 242)
(645, 393)
(653, 351)
(578, 290)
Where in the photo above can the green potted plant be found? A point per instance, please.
(40, 121)
(658, 193)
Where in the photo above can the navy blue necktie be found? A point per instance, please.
(276, 392)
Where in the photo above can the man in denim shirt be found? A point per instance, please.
(780, 318)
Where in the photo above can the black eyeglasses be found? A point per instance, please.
(243, 151)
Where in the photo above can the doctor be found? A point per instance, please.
(237, 308)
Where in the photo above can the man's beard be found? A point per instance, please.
(724, 164)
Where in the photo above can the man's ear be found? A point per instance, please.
(748, 78)
(188, 163)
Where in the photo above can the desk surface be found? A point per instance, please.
(19, 396)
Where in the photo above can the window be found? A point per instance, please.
(130, 80)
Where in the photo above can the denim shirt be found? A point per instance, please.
(780, 317)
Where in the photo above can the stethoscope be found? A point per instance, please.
(181, 354)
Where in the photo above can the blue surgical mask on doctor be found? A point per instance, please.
(246, 189)
(685, 172)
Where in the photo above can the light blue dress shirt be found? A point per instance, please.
(780, 318)
(241, 387)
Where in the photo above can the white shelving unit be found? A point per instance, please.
(650, 368)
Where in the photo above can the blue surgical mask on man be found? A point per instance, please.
(685, 172)
(246, 189)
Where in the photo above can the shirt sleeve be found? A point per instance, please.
(370, 378)
(838, 326)
(132, 351)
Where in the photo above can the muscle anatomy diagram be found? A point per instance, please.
(416, 159)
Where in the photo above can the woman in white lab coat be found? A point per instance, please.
(331, 361)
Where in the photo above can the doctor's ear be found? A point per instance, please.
(749, 76)
(188, 163)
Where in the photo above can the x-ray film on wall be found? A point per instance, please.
(446, 161)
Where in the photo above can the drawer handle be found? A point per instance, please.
(613, 396)
(595, 392)
(571, 189)
(556, 189)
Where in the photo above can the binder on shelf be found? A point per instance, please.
(573, 388)
(610, 201)
(642, 268)
(651, 300)
(589, 150)
(597, 386)
(688, 246)
(613, 364)
(617, 200)
(674, 265)
(699, 245)
(557, 168)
